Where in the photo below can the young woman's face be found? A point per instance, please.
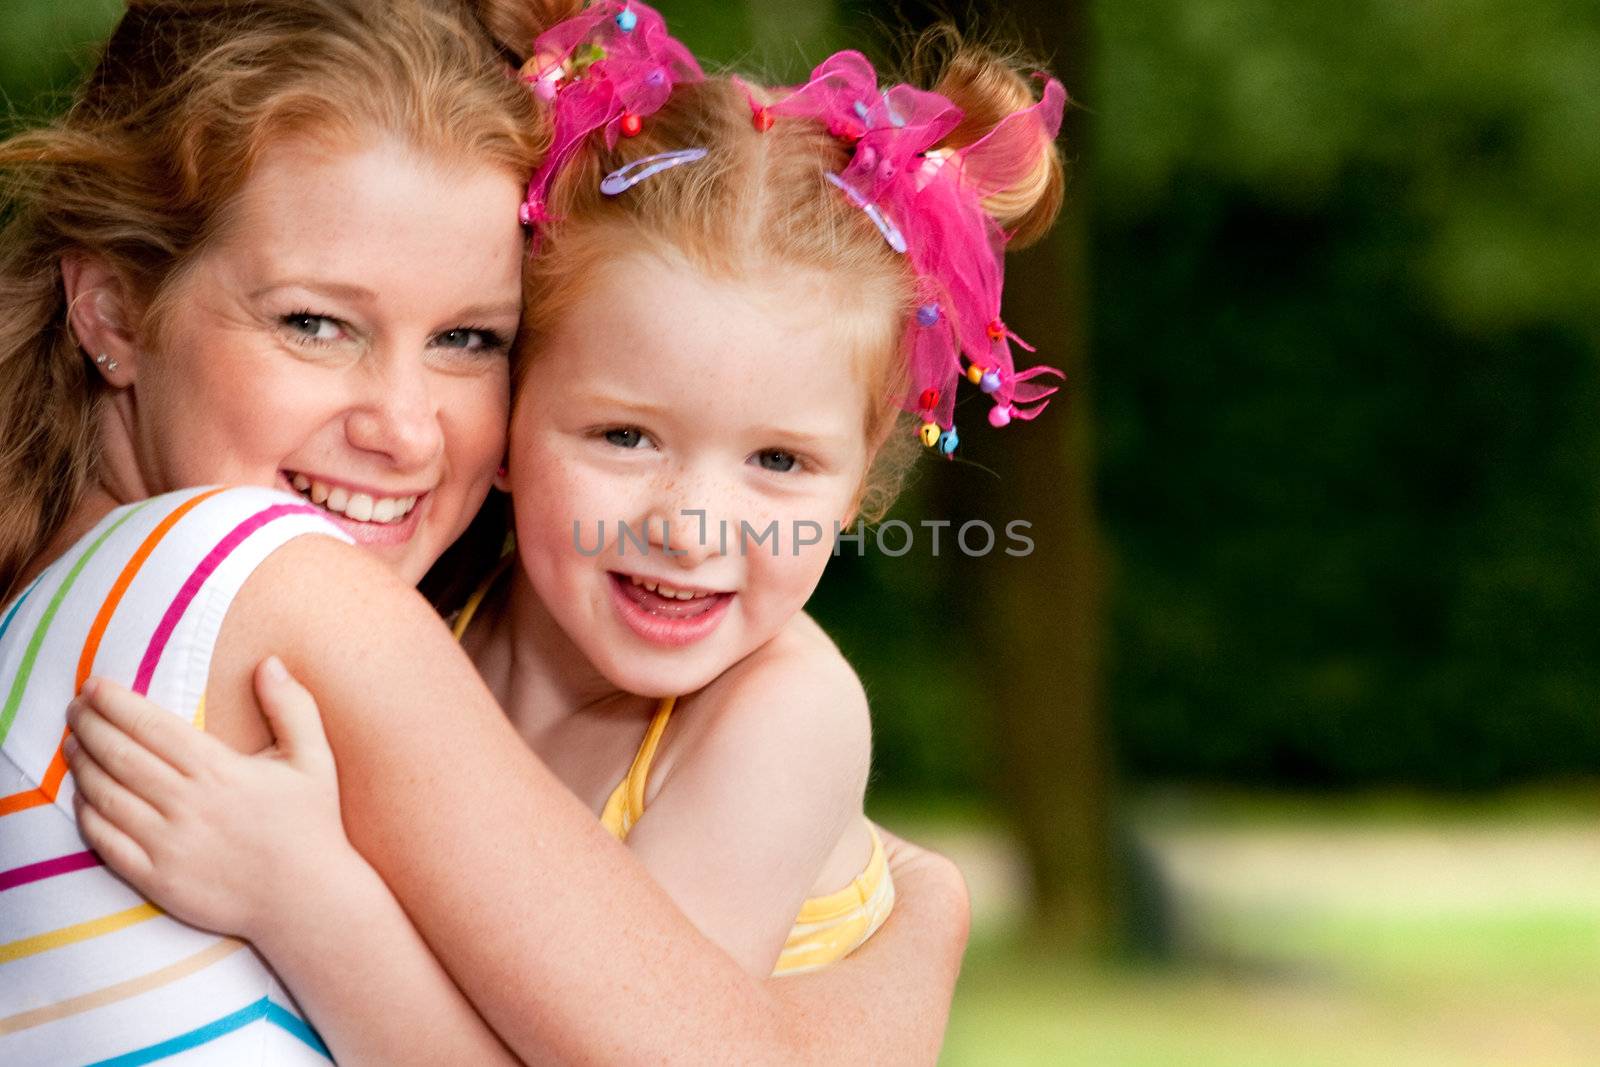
(724, 410)
(345, 337)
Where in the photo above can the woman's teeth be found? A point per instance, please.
(668, 591)
(357, 506)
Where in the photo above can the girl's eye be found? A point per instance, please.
(305, 325)
(625, 437)
(774, 459)
(470, 340)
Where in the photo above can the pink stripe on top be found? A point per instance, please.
(89, 971)
(191, 586)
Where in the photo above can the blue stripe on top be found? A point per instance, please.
(261, 1009)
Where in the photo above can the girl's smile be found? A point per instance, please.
(715, 403)
(666, 614)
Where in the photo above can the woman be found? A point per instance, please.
(283, 232)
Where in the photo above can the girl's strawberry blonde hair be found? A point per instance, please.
(760, 197)
(141, 170)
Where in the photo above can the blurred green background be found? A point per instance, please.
(1282, 748)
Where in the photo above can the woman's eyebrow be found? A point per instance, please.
(341, 290)
(510, 309)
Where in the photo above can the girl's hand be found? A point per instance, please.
(218, 839)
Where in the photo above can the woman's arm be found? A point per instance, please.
(549, 926)
(890, 1000)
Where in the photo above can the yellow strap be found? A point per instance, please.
(470, 608)
(639, 773)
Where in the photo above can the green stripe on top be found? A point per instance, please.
(20, 684)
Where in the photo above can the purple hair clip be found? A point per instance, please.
(628, 175)
(890, 231)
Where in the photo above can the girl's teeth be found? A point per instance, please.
(383, 510)
(359, 508)
(301, 482)
(339, 499)
(670, 592)
(319, 493)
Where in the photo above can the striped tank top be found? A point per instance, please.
(91, 972)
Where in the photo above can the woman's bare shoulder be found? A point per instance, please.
(325, 607)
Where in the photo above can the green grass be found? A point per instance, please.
(1351, 932)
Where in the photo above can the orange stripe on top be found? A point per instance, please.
(98, 629)
(57, 771)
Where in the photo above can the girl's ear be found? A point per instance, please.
(101, 316)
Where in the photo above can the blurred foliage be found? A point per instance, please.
(1348, 261)
(1347, 267)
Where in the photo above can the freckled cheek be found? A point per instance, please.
(475, 433)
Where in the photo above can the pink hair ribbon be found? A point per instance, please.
(608, 68)
(928, 203)
(614, 65)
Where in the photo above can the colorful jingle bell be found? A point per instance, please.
(627, 20)
(762, 120)
(631, 124)
(996, 330)
(928, 315)
(929, 434)
(990, 381)
(949, 441)
(1000, 415)
(928, 400)
(974, 374)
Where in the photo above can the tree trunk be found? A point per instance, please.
(1044, 614)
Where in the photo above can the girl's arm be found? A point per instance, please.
(550, 927)
(253, 846)
(761, 794)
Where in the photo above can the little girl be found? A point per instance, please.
(735, 291)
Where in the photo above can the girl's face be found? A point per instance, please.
(345, 337)
(680, 412)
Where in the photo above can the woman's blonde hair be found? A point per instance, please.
(761, 199)
(141, 169)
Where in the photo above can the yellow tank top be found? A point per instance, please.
(828, 928)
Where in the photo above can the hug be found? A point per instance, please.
(288, 293)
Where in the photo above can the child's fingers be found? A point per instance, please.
(293, 716)
(150, 725)
(135, 767)
(119, 851)
(120, 808)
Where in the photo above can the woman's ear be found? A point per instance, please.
(100, 315)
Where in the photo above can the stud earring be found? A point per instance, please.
(100, 360)
(112, 366)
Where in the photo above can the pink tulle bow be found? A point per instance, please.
(613, 63)
(928, 202)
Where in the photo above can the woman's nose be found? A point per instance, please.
(399, 418)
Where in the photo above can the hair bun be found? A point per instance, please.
(987, 85)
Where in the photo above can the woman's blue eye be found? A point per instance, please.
(773, 459)
(312, 327)
(625, 437)
(471, 340)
